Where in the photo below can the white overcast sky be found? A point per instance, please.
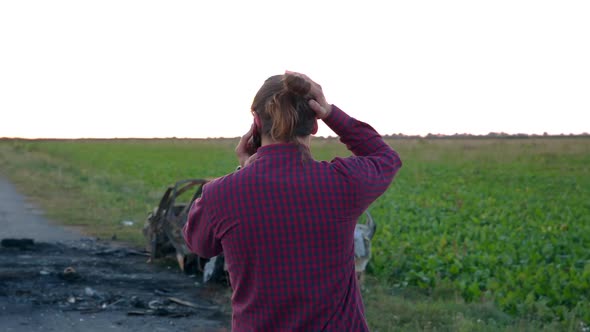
(121, 68)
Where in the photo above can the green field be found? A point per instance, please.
(474, 234)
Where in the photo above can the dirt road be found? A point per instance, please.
(54, 279)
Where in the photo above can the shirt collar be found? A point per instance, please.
(278, 148)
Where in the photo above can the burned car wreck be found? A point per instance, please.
(163, 234)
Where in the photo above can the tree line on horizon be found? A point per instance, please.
(489, 135)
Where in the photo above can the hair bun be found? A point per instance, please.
(296, 84)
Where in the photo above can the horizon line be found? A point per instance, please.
(396, 135)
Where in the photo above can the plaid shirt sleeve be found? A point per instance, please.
(199, 232)
(375, 163)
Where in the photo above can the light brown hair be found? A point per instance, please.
(282, 103)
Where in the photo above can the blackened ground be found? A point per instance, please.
(88, 286)
(58, 280)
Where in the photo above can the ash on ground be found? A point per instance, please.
(92, 286)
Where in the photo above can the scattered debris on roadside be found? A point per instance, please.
(90, 277)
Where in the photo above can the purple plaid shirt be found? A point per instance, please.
(285, 225)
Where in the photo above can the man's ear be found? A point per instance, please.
(257, 122)
(315, 127)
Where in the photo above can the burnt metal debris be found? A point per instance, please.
(163, 233)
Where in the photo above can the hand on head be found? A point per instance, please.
(318, 104)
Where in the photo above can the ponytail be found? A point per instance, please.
(283, 117)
